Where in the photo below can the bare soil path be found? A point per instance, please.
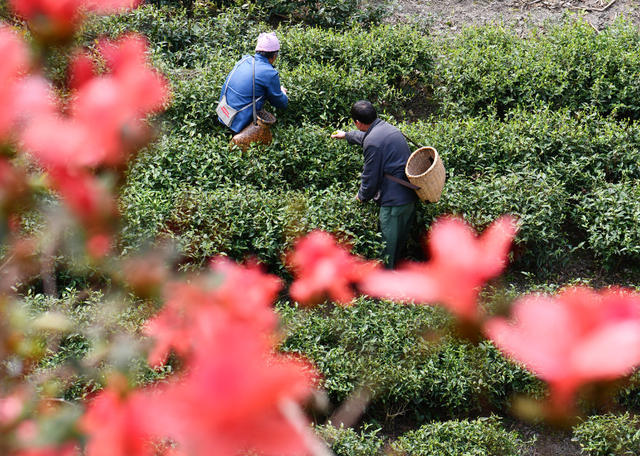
(449, 16)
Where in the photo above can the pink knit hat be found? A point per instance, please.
(268, 42)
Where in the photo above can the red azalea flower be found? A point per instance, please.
(86, 197)
(116, 425)
(194, 312)
(107, 112)
(324, 267)
(246, 290)
(230, 400)
(576, 337)
(15, 64)
(459, 266)
(59, 19)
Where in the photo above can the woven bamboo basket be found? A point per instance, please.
(425, 169)
(260, 132)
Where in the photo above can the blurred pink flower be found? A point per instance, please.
(323, 267)
(460, 265)
(116, 425)
(22, 96)
(107, 120)
(64, 450)
(87, 199)
(230, 400)
(59, 19)
(576, 337)
(193, 313)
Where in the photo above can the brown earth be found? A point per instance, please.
(449, 16)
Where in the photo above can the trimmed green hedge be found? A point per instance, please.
(239, 221)
(611, 217)
(349, 442)
(490, 69)
(609, 435)
(380, 344)
(479, 437)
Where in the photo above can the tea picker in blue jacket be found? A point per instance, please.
(383, 177)
(239, 87)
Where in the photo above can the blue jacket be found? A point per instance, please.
(385, 152)
(240, 89)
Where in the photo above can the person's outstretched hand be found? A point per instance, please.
(338, 134)
(284, 90)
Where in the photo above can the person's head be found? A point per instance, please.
(363, 114)
(268, 46)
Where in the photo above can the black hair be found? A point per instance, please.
(268, 55)
(363, 111)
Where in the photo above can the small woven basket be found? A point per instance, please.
(425, 169)
(260, 132)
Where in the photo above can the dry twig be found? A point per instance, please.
(591, 9)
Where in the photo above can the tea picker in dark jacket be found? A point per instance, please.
(239, 86)
(385, 152)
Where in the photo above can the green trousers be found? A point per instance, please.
(395, 224)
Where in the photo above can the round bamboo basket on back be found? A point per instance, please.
(425, 169)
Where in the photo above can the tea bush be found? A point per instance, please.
(381, 345)
(239, 220)
(348, 442)
(490, 69)
(326, 13)
(301, 157)
(610, 217)
(609, 435)
(581, 149)
(179, 40)
(538, 199)
(480, 437)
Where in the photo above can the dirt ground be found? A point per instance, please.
(447, 16)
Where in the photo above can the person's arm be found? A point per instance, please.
(371, 174)
(276, 96)
(355, 137)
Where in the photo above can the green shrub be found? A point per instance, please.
(581, 149)
(491, 69)
(239, 220)
(380, 345)
(609, 435)
(326, 13)
(348, 442)
(610, 217)
(538, 199)
(480, 437)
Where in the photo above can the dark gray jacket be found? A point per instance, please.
(385, 151)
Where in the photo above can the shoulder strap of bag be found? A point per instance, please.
(255, 116)
(226, 87)
(401, 181)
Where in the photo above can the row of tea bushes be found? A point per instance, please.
(389, 348)
(325, 70)
(482, 436)
(300, 158)
(483, 70)
(582, 149)
(570, 66)
(609, 435)
(611, 218)
(240, 221)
